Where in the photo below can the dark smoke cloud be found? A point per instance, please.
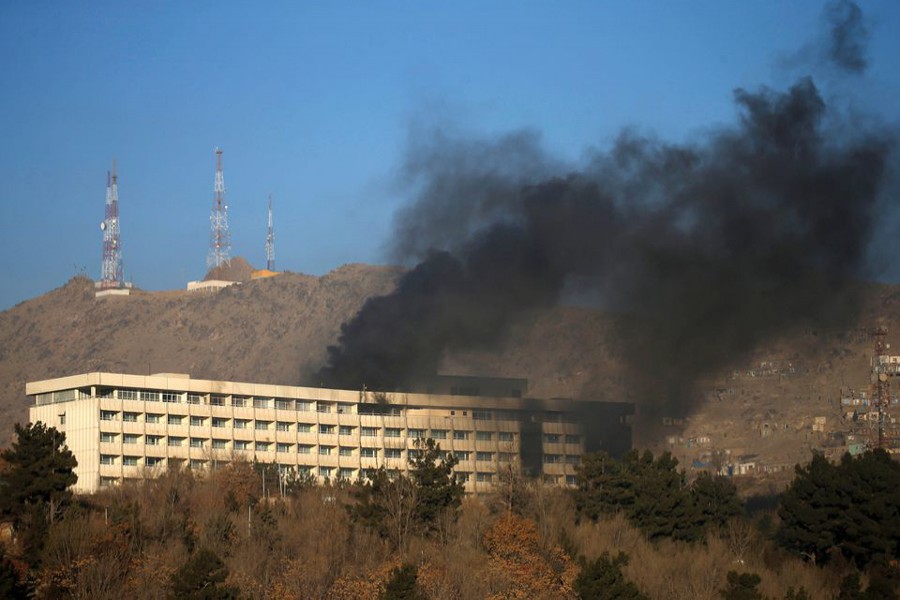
(704, 249)
(849, 37)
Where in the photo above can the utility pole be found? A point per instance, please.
(219, 239)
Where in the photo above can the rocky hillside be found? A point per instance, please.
(277, 330)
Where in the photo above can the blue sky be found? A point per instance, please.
(312, 102)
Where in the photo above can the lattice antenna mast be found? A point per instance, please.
(219, 239)
(270, 240)
(111, 273)
(881, 371)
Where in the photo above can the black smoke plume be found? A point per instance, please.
(704, 249)
(849, 37)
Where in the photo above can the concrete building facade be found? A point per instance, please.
(130, 427)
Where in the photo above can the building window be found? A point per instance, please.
(368, 431)
(573, 459)
(304, 428)
(238, 401)
(368, 452)
(171, 397)
(484, 477)
(571, 480)
(241, 445)
(323, 408)
(152, 461)
(218, 444)
(262, 402)
(241, 423)
(175, 419)
(484, 456)
(175, 441)
(346, 451)
(439, 434)
(197, 421)
(153, 440)
(461, 435)
(325, 450)
(551, 479)
(108, 438)
(108, 415)
(219, 422)
(393, 453)
(326, 429)
(107, 459)
(416, 434)
(149, 396)
(304, 406)
(552, 459)
(197, 465)
(345, 473)
(263, 425)
(62, 418)
(194, 398)
(130, 461)
(392, 432)
(507, 436)
(484, 436)
(108, 481)
(325, 472)
(462, 455)
(304, 449)
(153, 418)
(130, 417)
(573, 439)
(217, 400)
(462, 476)
(262, 446)
(344, 408)
(283, 448)
(284, 404)
(506, 457)
(345, 430)
(283, 426)
(128, 395)
(130, 438)
(197, 442)
(481, 415)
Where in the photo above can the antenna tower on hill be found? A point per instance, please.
(111, 273)
(270, 240)
(219, 239)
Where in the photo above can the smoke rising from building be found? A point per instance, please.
(704, 249)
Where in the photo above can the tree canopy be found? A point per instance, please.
(40, 470)
(851, 508)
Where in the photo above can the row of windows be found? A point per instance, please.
(259, 425)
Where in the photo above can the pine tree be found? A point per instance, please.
(201, 578)
(403, 584)
(742, 586)
(602, 579)
(40, 471)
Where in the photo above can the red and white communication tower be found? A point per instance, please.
(219, 239)
(111, 273)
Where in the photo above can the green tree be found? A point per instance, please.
(716, 500)
(202, 578)
(403, 584)
(742, 586)
(40, 471)
(438, 490)
(602, 579)
(852, 508)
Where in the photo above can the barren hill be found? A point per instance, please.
(276, 330)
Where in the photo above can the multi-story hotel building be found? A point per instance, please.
(123, 427)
